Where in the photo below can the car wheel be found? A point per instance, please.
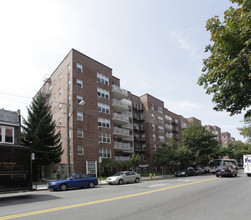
(120, 182)
(91, 185)
(217, 175)
(137, 180)
(63, 187)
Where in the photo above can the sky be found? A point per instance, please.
(153, 46)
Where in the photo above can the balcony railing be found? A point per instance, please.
(120, 130)
(119, 90)
(121, 158)
(120, 116)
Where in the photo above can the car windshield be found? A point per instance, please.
(119, 174)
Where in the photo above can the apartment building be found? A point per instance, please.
(226, 139)
(216, 130)
(102, 127)
(112, 123)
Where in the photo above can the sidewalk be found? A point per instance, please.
(103, 182)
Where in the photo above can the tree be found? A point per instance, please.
(240, 149)
(227, 70)
(135, 160)
(201, 142)
(184, 156)
(39, 133)
(246, 130)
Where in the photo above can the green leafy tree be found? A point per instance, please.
(166, 154)
(184, 156)
(134, 160)
(246, 129)
(201, 142)
(39, 133)
(240, 148)
(227, 70)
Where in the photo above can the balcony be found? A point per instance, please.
(120, 119)
(119, 93)
(169, 135)
(122, 146)
(121, 158)
(169, 127)
(128, 126)
(121, 132)
(120, 106)
(168, 118)
(129, 138)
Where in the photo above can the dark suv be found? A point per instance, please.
(226, 170)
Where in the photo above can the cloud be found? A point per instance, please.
(186, 44)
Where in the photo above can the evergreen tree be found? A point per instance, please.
(39, 133)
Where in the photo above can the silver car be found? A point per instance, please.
(124, 177)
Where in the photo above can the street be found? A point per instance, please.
(196, 197)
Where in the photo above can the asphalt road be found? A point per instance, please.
(198, 197)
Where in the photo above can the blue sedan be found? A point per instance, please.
(75, 181)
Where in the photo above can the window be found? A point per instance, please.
(154, 147)
(80, 116)
(79, 83)
(152, 107)
(102, 79)
(104, 138)
(160, 119)
(103, 93)
(161, 129)
(105, 153)
(80, 150)
(79, 67)
(154, 137)
(60, 76)
(79, 98)
(143, 147)
(103, 122)
(161, 139)
(80, 133)
(160, 109)
(153, 117)
(6, 134)
(103, 108)
(60, 91)
(59, 121)
(60, 106)
(143, 137)
(153, 127)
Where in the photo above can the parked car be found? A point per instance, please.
(199, 171)
(124, 177)
(226, 170)
(75, 181)
(189, 171)
(206, 168)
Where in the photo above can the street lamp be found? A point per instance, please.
(68, 135)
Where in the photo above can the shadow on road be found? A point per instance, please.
(9, 200)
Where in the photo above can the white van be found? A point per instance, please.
(247, 164)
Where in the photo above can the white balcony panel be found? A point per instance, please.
(119, 93)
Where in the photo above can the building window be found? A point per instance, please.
(161, 129)
(80, 116)
(79, 67)
(80, 150)
(153, 127)
(6, 135)
(60, 76)
(153, 117)
(143, 147)
(102, 79)
(154, 138)
(79, 83)
(79, 98)
(160, 119)
(80, 133)
(154, 147)
(143, 137)
(105, 153)
(60, 106)
(59, 121)
(104, 138)
(103, 122)
(103, 108)
(60, 91)
(152, 107)
(161, 139)
(103, 93)
(160, 109)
